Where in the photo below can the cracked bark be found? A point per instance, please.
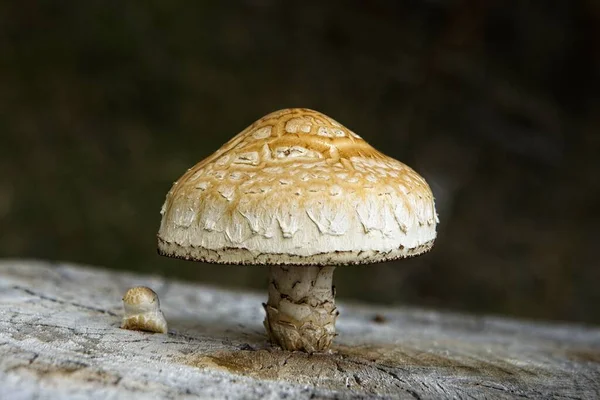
(60, 337)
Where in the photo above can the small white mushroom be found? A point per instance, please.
(142, 311)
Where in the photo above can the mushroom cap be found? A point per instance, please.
(140, 299)
(297, 188)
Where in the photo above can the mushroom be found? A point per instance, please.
(142, 311)
(301, 193)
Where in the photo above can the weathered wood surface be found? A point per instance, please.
(60, 338)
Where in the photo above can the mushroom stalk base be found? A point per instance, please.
(301, 309)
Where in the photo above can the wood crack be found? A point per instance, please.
(55, 300)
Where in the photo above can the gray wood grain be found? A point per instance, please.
(60, 338)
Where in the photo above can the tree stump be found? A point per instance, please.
(60, 337)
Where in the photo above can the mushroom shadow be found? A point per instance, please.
(239, 335)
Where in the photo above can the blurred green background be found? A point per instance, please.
(103, 104)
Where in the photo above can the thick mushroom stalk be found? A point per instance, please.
(301, 309)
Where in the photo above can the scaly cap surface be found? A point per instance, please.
(296, 187)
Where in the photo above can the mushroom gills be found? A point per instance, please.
(300, 311)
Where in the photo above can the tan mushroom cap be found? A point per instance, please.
(298, 188)
(141, 296)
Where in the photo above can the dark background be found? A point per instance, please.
(103, 104)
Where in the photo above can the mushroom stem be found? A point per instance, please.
(301, 309)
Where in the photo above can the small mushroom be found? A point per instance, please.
(142, 311)
(379, 319)
(300, 193)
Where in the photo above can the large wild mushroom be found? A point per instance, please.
(299, 192)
